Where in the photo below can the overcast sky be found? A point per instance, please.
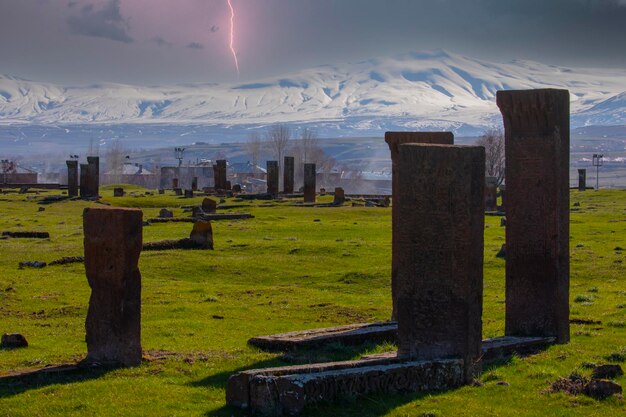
(179, 41)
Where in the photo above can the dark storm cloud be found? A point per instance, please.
(38, 37)
(106, 23)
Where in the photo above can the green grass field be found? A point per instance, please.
(289, 268)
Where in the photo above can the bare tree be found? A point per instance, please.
(308, 144)
(278, 137)
(253, 147)
(114, 160)
(493, 142)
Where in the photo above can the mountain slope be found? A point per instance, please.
(435, 90)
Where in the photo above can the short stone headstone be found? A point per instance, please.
(161, 191)
(118, 192)
(202, 234)
(340, 196)
(537, 143)
(113, 242)
(440, 252)
(166, 214)
(209, 205)
(197, 212)
(188, 193)
(237, 188)
(322, 191)
(13, 341)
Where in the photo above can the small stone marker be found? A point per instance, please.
(394, 140)
(537, 144)
(440, 252)
(209, 205)
(13, 341)
(118, 192)
(197, 212)
(582, 179)
(309, 183)
(288, 174)
(178, 191)
(166, 214)
(72, 178)
(113, 242)
(188, 193)
(202, 234)
(237, 188)
(272, 177)
(340, 196)
(161, 191)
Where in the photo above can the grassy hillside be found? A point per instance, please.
(289, 268)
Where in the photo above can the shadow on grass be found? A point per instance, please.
(20, 382)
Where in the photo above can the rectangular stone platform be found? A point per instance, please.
(351, 334)
(288, 390)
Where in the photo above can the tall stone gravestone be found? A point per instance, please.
(113, 242)
(582, 179)
(84, 186)
(309, 183)
(491, 194)
(394, 140)
(219, 174)
(288, 174)
(536, 124)
(93, 176)
(272, 177)
(194, 184)
(174, 183)
(440, 252)
(72, 178)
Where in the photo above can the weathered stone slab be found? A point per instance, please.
(72, 178)
(440, 252)
(289, 394)
(491, 194)
(582, 179)
(194, 184)
(288, 174)
(202, 234)
(174, 183)
(340, 196)
(536, 126)
(113, 242)
(209, 205)
(118, 192)
(309, 183)
(351, 334)
(394, 140)
(272, 177)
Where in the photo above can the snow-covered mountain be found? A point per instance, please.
(431, 90)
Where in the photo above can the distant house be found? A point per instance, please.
(130, 173)
(13, 173)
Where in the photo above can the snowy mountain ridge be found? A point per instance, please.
(428, 90)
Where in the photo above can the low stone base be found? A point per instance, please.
(288, 390)
(209, 217)
(356, 334)
(351, 334)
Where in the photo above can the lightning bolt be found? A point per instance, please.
(232, 35)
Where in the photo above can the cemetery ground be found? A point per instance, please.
(289, 268)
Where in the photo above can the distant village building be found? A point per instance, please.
(131, 173)
(12, 173)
